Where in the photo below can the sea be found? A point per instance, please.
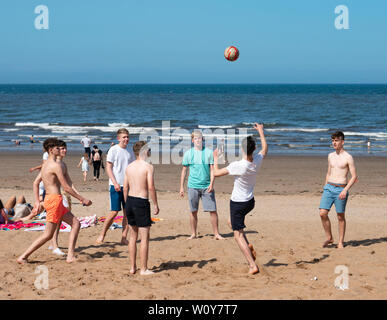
(297, 119)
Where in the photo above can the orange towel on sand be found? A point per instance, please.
(53, 203)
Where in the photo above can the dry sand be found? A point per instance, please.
(284, 228)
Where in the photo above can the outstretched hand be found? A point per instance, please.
(258, 126)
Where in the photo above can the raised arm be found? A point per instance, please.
(218, 172)
(152, 189)
(259, 128)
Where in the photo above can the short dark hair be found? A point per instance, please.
(95, 147)
(62, 143)
(337, 135)
(138, 146)
(50, 143)
(248, 145)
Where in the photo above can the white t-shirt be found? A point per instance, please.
(120, 158)
(245, 173)
(86, 142)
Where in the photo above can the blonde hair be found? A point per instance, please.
(196, 133)
(122, 131)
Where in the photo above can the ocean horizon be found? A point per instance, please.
(298, 118)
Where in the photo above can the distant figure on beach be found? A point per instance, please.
(340, 163)
(200, 162)
(86, 142)
(85, 165)
(54, 176)
(17, 142)
(32, 140)
(138, 187)
(96, 157)
(242, 198)
(118, 158)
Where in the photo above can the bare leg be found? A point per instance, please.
(106, 225)
(240, 238)
(133, 248)
(10, 203)
(144, 249)
(342, 226)
(125, 230)
(84, 176)
(214, 222)
(75, 227)
(327, 227)
(46, 236)
(21, 200)
(194, 225)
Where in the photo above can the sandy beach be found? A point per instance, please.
(284, 227)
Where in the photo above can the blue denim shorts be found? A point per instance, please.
(330, 196)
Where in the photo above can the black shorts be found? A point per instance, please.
(138, 212)
(238, 211)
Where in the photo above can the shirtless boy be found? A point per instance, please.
(242, 198)
(139, 180)
(118, 158)
(340, 163)
(53, 177)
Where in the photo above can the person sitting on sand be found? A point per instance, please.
(54, 176)
(14, 210)
(340, 163)
(200, 162)
(138, 185)
(242, 197)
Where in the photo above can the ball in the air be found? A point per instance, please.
(231, 53)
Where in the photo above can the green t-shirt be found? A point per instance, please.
(199, 162)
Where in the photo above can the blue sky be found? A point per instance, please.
(180, 41)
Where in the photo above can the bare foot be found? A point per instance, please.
(340, 245)
(253, 253)
(99, 240)
(21, 260)
(124, 241)
(254, 270)
(194, 236)
(146, 272)
(71, 259)
(219, 237)
(133, 270)
(327, 243)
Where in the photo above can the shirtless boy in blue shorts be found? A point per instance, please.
(340, 163)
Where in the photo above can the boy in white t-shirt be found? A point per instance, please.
(118, 158)
(242, 197)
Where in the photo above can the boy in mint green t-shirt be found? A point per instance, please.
(200, 162)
